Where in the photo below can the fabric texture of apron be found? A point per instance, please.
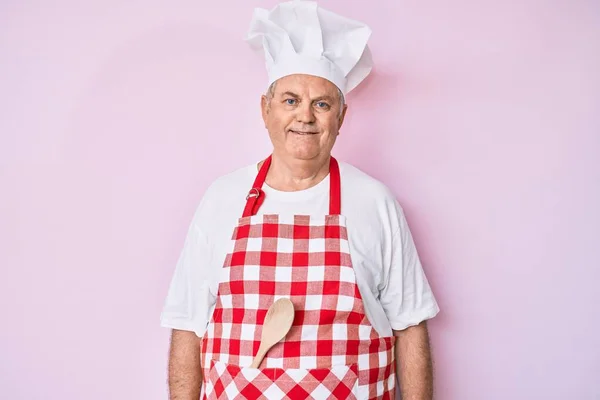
(331, 351)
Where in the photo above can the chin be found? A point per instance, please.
(304, 154)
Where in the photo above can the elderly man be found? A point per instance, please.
(302, 226)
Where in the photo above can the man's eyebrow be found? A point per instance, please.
(324, 97)
(294, 95)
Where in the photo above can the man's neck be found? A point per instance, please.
(290, 175)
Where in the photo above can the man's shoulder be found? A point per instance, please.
(357, 182)
(231, 182)
(224, 193)
(369, 203)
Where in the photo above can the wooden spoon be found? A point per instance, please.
(277, 324)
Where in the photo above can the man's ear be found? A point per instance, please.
(264, 107)
(342, 116)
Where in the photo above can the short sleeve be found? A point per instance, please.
(406, 296)
(189, 298)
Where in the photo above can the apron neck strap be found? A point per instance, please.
(256, 196)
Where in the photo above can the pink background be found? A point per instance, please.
(482, 116)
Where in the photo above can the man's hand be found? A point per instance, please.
(413, 363)
(185, 374)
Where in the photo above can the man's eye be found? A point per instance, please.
(322, 104)
(290, 102)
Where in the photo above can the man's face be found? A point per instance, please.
(303, 117)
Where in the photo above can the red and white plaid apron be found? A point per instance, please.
(331, 351)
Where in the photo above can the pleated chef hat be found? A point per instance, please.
(299, 37)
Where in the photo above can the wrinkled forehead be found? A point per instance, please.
(306, 86)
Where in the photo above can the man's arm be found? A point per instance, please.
(185, 374)
(413, 363)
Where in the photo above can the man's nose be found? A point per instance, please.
(305, 113)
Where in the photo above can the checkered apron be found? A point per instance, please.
(331, 351)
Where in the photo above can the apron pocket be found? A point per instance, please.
(226, 381)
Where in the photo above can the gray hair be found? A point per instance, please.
(271, 93)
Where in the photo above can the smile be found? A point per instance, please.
(303, 133)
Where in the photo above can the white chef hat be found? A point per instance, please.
(299, 37)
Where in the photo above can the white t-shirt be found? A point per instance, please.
(390, 278)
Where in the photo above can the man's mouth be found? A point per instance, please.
(303, 133)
